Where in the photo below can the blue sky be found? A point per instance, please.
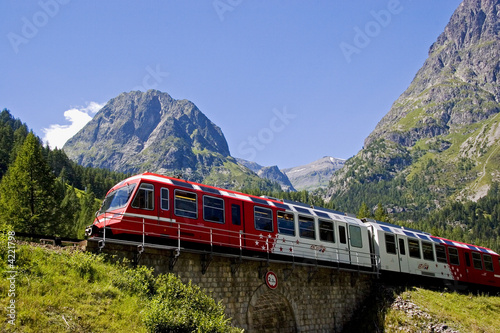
(288, 82)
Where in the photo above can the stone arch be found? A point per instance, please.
(270, 311)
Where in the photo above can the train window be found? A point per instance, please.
(185, 204)
(428, 251)
(164, 198)
(306, 227)
(476, 260)
(342, 235)
(263, 218)
(440, 253)
(236, 214)
(414, 248)
(453, 253)
(144, 198)
(402, 247)
(355, 232)
(213, 209)
(286, 225)
(326, 232)
(488, 262)
(390, 243)
(117, 199)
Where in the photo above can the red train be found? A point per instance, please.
(163, 210)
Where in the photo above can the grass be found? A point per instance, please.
(61, 290)
(67, 290)
(463, 312)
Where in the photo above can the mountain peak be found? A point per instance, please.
(439, 141)
(315, 174)
(457, 85)
(138, 131)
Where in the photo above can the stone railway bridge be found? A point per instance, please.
(306, 298)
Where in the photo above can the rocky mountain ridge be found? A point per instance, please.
(272, 173)
(440, 139)
(314, 175)
(311, 176)
(456, 86)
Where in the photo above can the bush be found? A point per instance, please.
(179, 308)
(139, 281)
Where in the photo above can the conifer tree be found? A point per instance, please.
(381, 214)
(27, 201)
(364, 211)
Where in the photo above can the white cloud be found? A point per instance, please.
(57, 135)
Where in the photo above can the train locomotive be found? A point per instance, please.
(168, 211)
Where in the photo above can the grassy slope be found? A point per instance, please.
(61, 290)
(67, 290)
(463, 173)
(463, 312)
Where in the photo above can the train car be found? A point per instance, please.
(322, 234)
(159, 207)
(165, 209)
(472, 264)
(415, 253)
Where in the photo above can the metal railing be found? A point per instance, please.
(170, 234)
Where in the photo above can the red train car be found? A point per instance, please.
(161, 207)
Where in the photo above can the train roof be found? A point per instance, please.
(288, 205)
(396, 229)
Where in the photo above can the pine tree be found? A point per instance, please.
(27, 201)
(381, 214)
(69, 211)
(364, 211)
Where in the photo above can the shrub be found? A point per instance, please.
(140, 281)
(179, 308)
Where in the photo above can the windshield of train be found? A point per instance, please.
(117, 199)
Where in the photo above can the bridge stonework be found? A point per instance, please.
(306, 299)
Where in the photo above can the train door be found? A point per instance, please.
(165, 227)
(142, 212)
(287, 231)
(468, 268)
(234, 213)
(476, 270)
(344, 253)
(404, 265)
(457, 266)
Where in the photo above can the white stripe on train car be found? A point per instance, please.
(157, 178)
(151, 217)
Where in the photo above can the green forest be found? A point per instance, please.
(43, 192)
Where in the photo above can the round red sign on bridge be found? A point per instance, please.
(271, 280)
